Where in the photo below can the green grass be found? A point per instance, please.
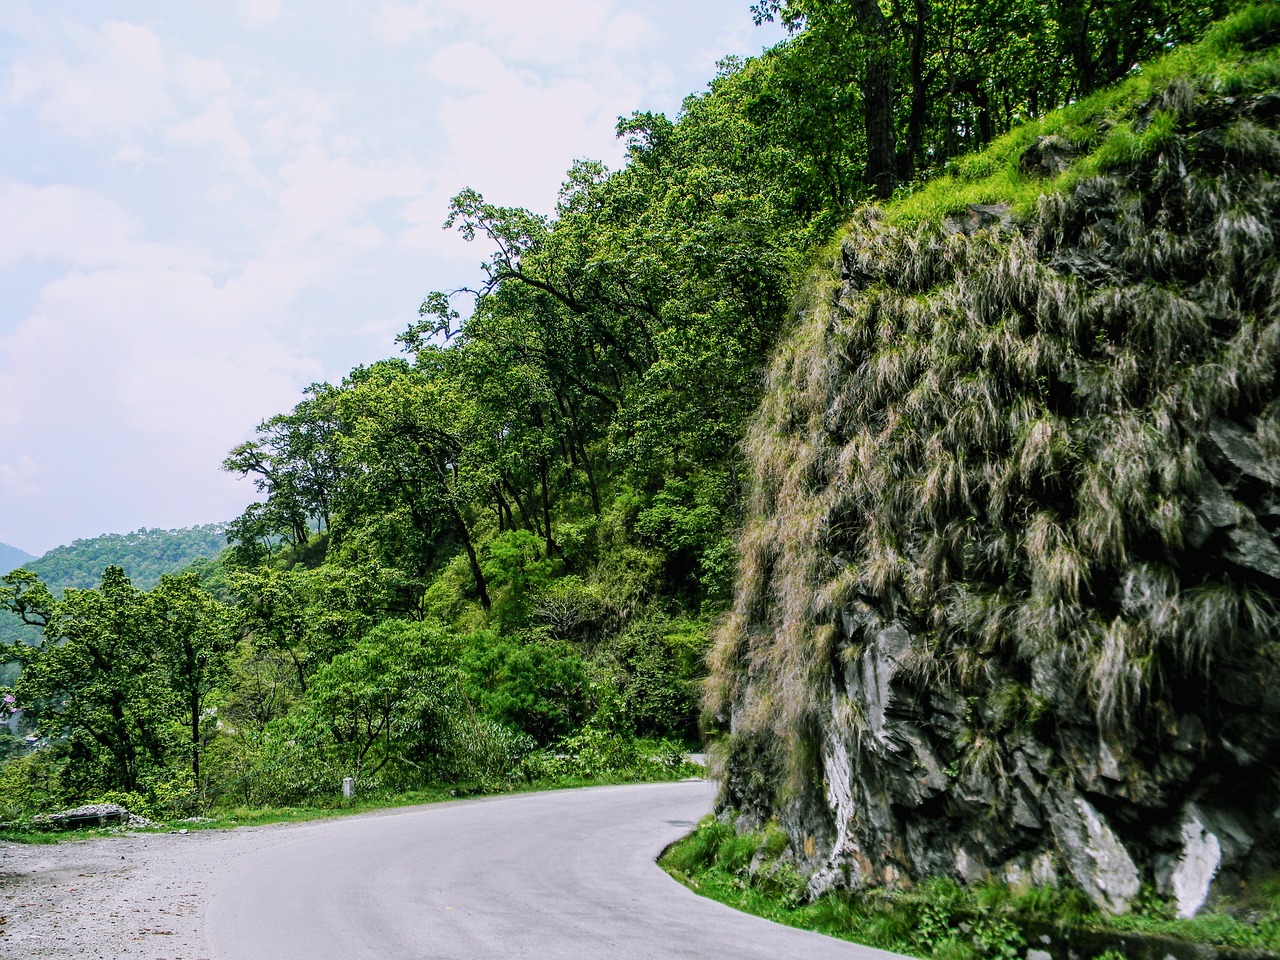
(223, 818)
(1237, 57)
(941, 919)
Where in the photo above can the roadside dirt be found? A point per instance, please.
(133, 896)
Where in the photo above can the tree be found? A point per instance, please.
(387, 699)
(95, 679)
(295, 462)
(194, 636)
(406, 453)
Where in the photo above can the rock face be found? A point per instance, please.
(1008, 597)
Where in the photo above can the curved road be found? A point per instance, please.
(566, 874)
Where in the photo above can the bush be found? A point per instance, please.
(535, 684)
(31, 783)
(657, 668)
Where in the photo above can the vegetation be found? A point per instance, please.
(1007, 532)
(943, 919)
(498, 559)
(145, 555)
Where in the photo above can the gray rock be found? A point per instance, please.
(880, 662)
(1093, 853)
(1198, 865)
(1241, 450)
(1047, 157)
(90, 815)
(1252, 547)
(979, 216)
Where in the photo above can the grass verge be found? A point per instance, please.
(223, 818)
(942, 920)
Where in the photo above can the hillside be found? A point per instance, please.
(11, 557)
(144, 554)
(1007, 604)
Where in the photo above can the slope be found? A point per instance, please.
(1007, 602)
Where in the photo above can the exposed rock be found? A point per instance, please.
(979, 216)
(1048, 157)
(1094, 854)
(1024, 622)
(1198, 865)
(90, 815)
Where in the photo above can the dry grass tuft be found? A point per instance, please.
(996, 440)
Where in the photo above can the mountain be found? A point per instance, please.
(1007, 598)
(144, 554)
(11, 558)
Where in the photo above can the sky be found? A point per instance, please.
(206, 207)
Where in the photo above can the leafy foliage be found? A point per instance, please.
(499, 556)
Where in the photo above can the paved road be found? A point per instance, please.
(568, 874)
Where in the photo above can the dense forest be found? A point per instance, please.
(508, 547)
(144, 555)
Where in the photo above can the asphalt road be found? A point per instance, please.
(567, 874)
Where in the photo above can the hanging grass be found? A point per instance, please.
(1001, 432)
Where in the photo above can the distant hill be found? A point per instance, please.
(11, 558)
(144, 554)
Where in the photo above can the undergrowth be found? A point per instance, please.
(941, 919)
(629, 762)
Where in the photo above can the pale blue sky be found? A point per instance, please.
(206, 207)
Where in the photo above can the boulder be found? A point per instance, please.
(1094, 855)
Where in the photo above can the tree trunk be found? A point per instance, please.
(476, 573)
(910, 154)
(195, 740)
(877, 95)
(546, 504)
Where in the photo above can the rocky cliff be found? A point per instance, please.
(1008, 600)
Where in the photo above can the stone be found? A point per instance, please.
(880, 661)
(979, 216)
(90, 815)
(1094, 854)
(1198, 865)
(1024, 810)
(1235, 445)
(1044, 870)
(1214, 510)
(1047, 157)
(1254, 548)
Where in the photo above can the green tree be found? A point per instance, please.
(95, 679)
(193, 633)
(388, 698)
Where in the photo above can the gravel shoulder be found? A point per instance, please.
(137, 895)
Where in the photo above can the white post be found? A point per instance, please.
(348, 787)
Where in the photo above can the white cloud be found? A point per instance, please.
(19, 477)
(217, 128)
(260, 12)
(260, 209)
(398, 23)
(62, 222)
(117, 86)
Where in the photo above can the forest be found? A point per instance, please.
(500, 555)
